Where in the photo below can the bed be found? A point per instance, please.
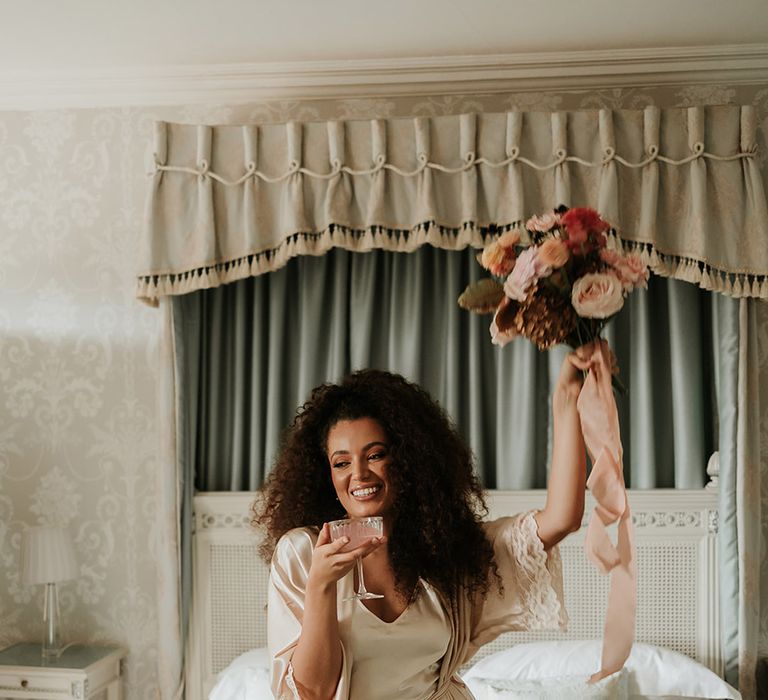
(677, 583)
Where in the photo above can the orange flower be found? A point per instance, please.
(553, 254)
(497, 260)
(499, 257)
(509, 239)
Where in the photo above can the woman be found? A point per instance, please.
(378, 445)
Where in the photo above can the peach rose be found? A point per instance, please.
(597, 295)
(498, 259)
(553, 254)
(509, 239)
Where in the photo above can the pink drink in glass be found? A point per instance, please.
(359, 531)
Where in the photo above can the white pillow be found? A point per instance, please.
(613, 687)
(246, 678)
(652, 671)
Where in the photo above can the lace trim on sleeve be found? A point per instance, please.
(341, 692)
(291, 683)
(540, 576)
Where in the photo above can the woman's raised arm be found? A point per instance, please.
(564, 509)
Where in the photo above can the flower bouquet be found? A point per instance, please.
(562, 288)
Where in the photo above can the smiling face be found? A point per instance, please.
(358, 454)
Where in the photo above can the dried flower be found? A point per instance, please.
(502, 327)
(546, 318)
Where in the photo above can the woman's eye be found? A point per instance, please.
(340, 465)
(376, 455)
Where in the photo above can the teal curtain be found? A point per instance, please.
(248, 354)
(727, 333)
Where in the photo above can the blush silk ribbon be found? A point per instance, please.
(600, 425)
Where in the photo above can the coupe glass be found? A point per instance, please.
(358, 530)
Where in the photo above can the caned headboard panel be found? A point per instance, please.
(676, 561)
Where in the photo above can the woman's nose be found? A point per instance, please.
(360, 468)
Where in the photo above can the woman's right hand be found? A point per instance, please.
(329, 563)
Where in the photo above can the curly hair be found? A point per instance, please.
(436, 532)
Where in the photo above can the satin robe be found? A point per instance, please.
(417, 656)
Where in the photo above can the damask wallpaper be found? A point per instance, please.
(79, 417)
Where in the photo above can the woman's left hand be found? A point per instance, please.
(574, 367)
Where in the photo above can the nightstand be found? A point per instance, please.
(82, 672)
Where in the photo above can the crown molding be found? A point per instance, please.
(237, 83)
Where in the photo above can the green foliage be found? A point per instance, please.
(482, 296)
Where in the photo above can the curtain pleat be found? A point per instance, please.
(748, 500)
(173, 526)
(687, 382)
(253, 350)
(726, 326)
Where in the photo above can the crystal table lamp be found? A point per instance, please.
(48, 556)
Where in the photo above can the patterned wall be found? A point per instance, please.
(79, 422)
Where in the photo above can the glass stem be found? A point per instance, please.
(360, 582)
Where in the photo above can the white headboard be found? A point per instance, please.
(678, 604)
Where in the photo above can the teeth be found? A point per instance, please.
(365, 492)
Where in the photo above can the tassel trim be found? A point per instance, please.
(151, 287)
(698, 272)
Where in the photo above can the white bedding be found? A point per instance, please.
(652, 672)
(535, 671)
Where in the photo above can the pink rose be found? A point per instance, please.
(543, 223)
(523, 276)
(610, 256)
(630, 269)
(633, 272)
(553, 253)
(597, 295)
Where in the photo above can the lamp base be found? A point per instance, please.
(52, 647)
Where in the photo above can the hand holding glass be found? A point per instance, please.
(359, 530)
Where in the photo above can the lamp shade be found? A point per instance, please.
(47, 555)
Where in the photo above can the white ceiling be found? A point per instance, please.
(88, 53)
(57, 35)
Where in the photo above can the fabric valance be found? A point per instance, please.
(681, 186)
